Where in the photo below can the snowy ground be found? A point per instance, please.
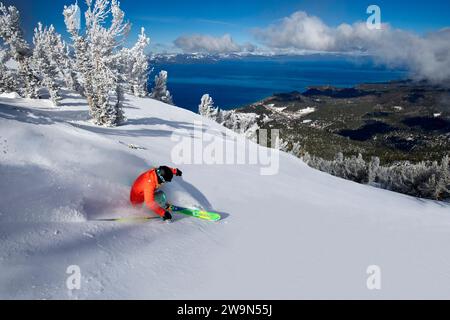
(298, 234)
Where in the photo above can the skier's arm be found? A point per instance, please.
(149, 196)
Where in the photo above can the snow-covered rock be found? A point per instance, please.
(10, 95)
(297, 234)
(306, 111)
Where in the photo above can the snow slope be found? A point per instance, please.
(298, 234)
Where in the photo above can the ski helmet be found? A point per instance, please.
(165, 174)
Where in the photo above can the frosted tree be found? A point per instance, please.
(60, 53)
(8, 79)
(44, 60)
(72, 18)
(306, 158)
(207, 109)
(424, 179)
(83, 62)
(282, 145)
(356, 169)
(159, 91)
(374, 167)
(439, 182)
(139, 66)
(133, 67)
(242, 123)
(51, 58)
(103, 42)
(444, 182)
(96, 55)
(296, 149)
(19, 50)
(287, 146)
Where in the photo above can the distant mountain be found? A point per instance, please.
(204, 57)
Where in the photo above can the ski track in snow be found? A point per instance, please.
(299, 234)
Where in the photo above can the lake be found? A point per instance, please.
(237, 82)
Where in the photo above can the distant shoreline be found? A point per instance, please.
(235, 84)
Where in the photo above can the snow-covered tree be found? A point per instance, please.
(424, 179)
(8, 79)
(282, 145)
(374, 167)
(19, 49)
(207, 109)
(72, 18)
(83, 61)
(44, 60)
(243, 123)
(139, 66)
(356, 169)
(51, 59)
(60, 53)
(287, 146)
(443, 184)
(296, 149)
(160, 91)
(82, 64)
(133, 67)
(96, 55)
(306, 158)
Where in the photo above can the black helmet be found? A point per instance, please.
(165, 174)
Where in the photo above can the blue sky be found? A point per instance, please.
(167, 20)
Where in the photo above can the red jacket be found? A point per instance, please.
(143, 190)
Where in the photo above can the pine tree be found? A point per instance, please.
(82, 64)
(242, 123)
(8, 79)
(19, 50)
(59, 52)
(296, 149)
(282, 145)
(207, 109)
(374, 167)
(44, 60)
(139, 71)
(132, 66)
(159, 91)
(307, 158)
(443, 182)
(96, 57)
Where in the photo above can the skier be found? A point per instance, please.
(146, 187)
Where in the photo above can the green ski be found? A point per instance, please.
(161, 199)
(196, 213)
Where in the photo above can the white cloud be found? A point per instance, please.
(425, 56)
(298, 31)
(210, 44)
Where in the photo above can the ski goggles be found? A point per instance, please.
(158, 173)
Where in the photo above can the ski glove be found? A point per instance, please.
(179, 173)
(167, 216)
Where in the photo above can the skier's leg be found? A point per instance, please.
(136, 202)
(161, 199)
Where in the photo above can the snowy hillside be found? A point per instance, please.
(298, 234)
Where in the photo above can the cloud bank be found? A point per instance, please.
(210, 44)
(427, 57)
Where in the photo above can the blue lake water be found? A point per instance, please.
(238, 82)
